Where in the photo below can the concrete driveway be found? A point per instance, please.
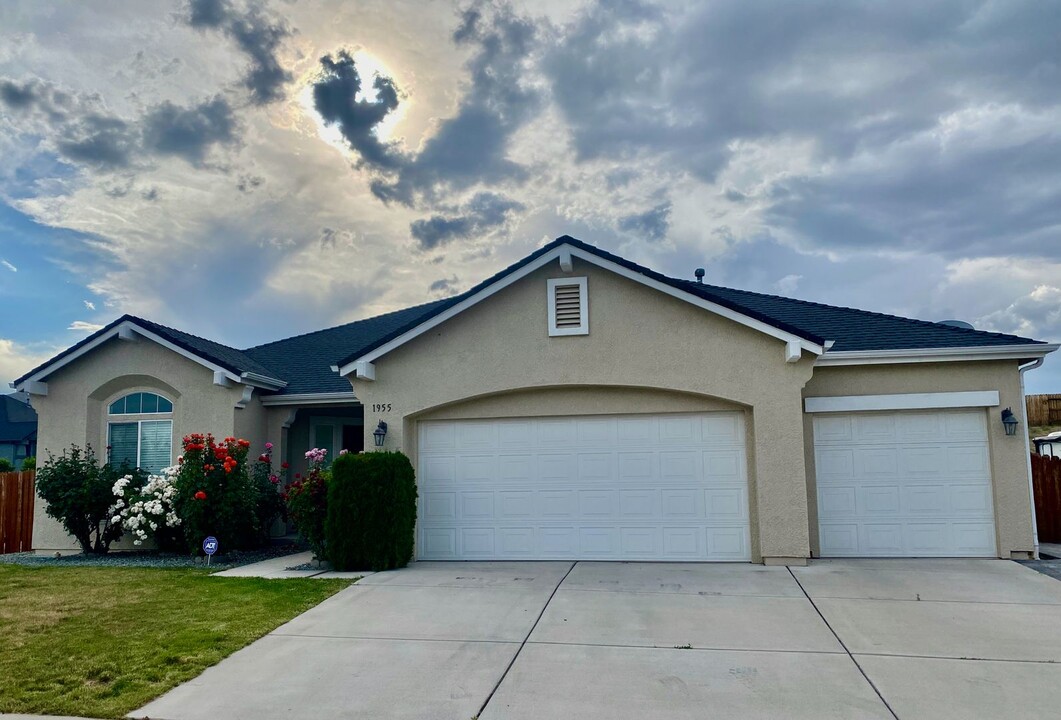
(512, 641)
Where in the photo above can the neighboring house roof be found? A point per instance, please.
(18, 421)
(305, 362)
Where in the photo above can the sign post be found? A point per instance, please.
(209, 547)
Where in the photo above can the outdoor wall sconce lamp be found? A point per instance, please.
(380, 433)
(1009, 421)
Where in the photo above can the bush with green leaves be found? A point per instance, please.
(215, 495)
(77, 492)
(371, 511)
(6, 466)
(307, 502)
(269, 503)
(29, 463)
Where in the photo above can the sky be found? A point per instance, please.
(248, 171)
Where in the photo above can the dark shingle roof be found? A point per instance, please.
(18, 421)
(305, 361)
(233, 360)
(853, 329)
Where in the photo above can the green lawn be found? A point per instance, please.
(101, 642)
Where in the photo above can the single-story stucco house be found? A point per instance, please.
(579, 406)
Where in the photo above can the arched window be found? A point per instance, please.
(140, 431)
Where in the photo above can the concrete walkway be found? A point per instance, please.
(629, 641)
(277, 568)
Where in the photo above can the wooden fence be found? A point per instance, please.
(1043, 410)
(1046, 481)
(16, 511)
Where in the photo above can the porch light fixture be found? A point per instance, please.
(1009, 421)
(380, 433)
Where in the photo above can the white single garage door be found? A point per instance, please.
(904, 484)
(635, 487)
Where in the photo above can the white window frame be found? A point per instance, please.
(583, 306)
(139, 419)
(138, 435)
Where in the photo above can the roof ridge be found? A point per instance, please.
(860, 311)
(343, 325)
(183, 332)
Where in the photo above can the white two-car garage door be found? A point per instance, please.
(605, 487)
(904, 484)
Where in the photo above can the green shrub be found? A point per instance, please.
(6, 466)
(79, 494)
(371, 511)
(269, 505)
(29, 463)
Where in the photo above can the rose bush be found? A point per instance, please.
(307, 502)
(215, 495)
(149, 512)
(267, 484)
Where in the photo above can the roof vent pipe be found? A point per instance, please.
(699, 273)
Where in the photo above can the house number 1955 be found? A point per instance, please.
(381, 407)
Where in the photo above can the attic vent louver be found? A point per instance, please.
(568, 307)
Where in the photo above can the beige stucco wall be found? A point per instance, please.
(644, 350)
(1008, 460)
(74, 410)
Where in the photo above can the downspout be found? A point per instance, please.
(1028, 452)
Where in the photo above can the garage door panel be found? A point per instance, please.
(723, 465)
(476, 468)
(637, 467)
(598, 504)
(439, 506)
(556, 468)
(516, 504)
(837, 501)
(664, 487)
(875, 501)
(596, 468)
(684, 466)
(477, 542)
(874, 429)
(477, 505)
(727, 543)
(639, 504)
(682, 503)
(925, 492)
(557, 504)
(515, 469)
(835, 464)
(726, 504)
(438, 470)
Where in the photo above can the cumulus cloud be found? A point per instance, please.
(472, 147)
(188, 132)
(18, 358)
(484, 213)
(651, 224)
(444, 287)
(257, 35)
(339, 99)
(788, 284)
(83, 131)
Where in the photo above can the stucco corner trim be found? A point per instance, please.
(905, 401)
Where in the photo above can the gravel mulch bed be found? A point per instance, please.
(154, 559)
(1046, 567)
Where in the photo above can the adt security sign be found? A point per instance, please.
(209, 547)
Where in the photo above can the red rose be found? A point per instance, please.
(200, 495)
(285, 465)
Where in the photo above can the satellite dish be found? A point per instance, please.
(957, 323)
